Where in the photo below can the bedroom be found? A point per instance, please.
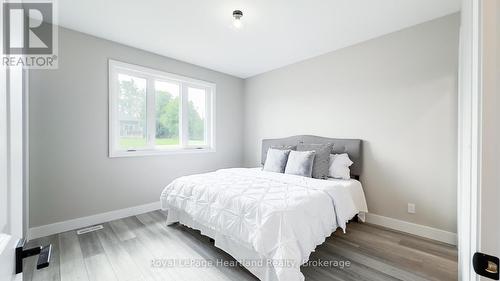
(254, 140)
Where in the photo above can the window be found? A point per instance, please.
(154, 112)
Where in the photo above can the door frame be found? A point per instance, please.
(12, 116)
(470, 96)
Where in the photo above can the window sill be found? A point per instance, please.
(140, 153)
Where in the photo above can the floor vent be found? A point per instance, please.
(89, 229)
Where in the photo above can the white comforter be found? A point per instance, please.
(282, 217)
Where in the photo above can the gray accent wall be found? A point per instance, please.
(398, 93)
(71, 175)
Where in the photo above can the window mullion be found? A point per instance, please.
(151, 112)
(208, 117)
(184, 121)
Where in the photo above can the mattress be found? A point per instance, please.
(256, 215)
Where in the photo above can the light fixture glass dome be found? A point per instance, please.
(237, 15)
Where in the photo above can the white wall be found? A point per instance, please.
(398, 93)
(71, 175)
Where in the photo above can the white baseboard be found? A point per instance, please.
(412, 228)
(58, 227)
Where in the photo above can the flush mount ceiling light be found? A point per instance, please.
(237, 15)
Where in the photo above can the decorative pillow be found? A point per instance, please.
(339, 166)
(321, 160)
(276, 160)
(300, 163)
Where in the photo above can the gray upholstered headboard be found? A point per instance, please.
(353, 147)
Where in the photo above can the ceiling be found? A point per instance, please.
(275, 32)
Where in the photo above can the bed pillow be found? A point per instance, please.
(276, 160)
(339, 166)
(321, 160)
(300, 163)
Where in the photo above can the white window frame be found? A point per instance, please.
(152, 75)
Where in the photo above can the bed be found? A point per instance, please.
(269, 222)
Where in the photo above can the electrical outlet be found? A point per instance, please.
(411, 208)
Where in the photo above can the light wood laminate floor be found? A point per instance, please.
(125, 248)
